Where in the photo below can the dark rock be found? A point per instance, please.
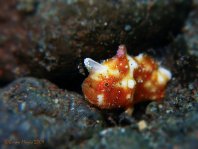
(53, 37)
(36, 109)
(12, 33)
(114, 138)
(26, 6)
(191, 31)
(69, 32)
(185, 64)
(58, 35)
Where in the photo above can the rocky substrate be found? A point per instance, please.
(42, 45)
(50, 39)
(33, 109)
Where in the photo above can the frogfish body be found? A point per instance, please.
(123, 80)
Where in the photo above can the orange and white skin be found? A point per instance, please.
(151, 79)
(121, 81)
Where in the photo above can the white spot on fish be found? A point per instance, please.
(132, 64)
(131, 83)
(161, 79)
(124, 83)
(165, 72)
(100, 99)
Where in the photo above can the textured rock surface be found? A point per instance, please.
(57, 35)
(191, 31)
(12, 33)
(36, 109)
(69, 33)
